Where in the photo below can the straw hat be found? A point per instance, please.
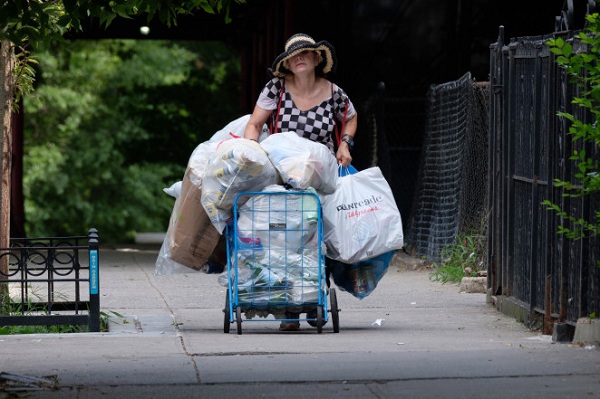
(299, 43)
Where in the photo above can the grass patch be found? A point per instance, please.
(57, 329)
(464, 258)
(13, 309)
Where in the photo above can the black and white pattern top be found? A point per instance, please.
(317, 123)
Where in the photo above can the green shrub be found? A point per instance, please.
(464, 258)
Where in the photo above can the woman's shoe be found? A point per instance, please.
(289, 326)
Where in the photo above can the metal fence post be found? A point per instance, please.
(93, 243)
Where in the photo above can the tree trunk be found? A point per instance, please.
(7, 84)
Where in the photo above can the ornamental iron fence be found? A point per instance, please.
(48, 281)
(539, 276)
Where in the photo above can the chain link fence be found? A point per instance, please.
(450, 191)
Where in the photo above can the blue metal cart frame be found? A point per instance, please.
(276, 260)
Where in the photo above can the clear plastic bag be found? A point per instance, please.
(238, 165)
(298, 224)
(302, 163)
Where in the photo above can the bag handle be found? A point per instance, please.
(346, 170)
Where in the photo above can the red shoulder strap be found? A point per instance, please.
(274, 125)
(340, 132)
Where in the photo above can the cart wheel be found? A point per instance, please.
(320, 321)
(226, 321)
(238, 319)
(312, 314)
(335, 317)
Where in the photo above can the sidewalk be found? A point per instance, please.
(410, 338)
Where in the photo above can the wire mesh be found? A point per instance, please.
(277, 261)
(451, 190)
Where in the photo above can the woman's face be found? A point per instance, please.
(306, 61)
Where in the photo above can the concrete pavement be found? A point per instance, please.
(166, 339)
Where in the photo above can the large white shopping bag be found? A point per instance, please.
(361, 218)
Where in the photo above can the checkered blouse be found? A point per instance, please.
(317, 124)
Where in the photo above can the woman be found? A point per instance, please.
(300, 98)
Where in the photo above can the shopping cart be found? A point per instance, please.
(276, 262)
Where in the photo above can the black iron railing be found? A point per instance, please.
(541, 275)
(51, 281)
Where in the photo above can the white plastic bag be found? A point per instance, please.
(202, 156)
(302, 163)
(174, 190)
(236, 128)
(361, 219)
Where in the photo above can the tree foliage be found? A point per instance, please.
(35, 24)
(113, 122)
(46, 21)
(584, 70)
(97, 113)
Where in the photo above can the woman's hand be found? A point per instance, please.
(343, 155)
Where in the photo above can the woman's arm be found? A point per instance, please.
(343, 153)
(255, 124)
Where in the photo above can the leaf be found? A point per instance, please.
(117, 314)
(558, 42)
(567, 49)
(562, 60)
(207, 8)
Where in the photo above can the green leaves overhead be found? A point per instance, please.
(39, 22)
(36, 24)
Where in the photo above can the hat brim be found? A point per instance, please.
(323, 47)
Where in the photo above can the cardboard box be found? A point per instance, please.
(192, 236)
